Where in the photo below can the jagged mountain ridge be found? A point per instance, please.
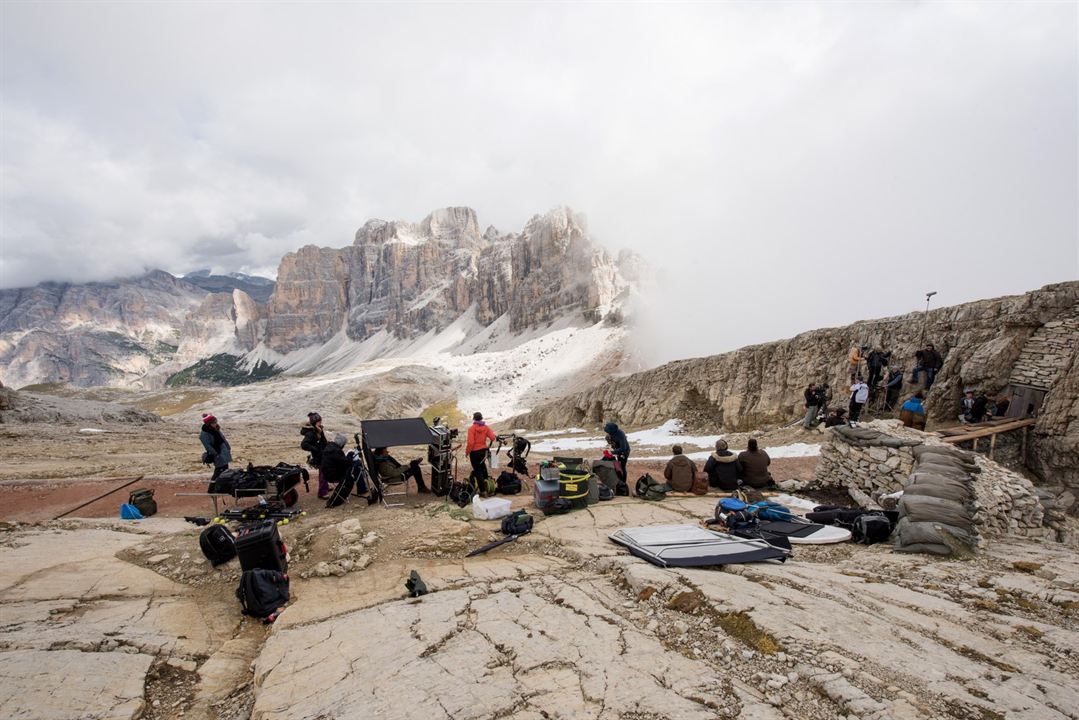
(399, 279)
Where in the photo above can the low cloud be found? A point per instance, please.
(785, 166)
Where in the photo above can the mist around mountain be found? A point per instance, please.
(259, 288)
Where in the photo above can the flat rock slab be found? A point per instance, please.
(542, 647)
(88, 686)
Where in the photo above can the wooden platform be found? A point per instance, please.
(975, 431)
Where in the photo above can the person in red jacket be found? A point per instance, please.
(478, 446)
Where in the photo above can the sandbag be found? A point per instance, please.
(928, 548)
(912, 533)
(921, 451)
(938, 463)
(937, 490)
(931, 509)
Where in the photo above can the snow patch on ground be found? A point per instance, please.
(665, 435)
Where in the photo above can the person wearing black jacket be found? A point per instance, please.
(812, 397)
(722, 468)
(876, 362)
(929, 361)
(314, 442)
(334, 466)
(619, 446)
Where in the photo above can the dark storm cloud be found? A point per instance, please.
(787, 165)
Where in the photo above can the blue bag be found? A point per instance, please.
(730, 504)
(767, 510)
(130, 512)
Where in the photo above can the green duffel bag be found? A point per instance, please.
(649, 488)
(143, 499)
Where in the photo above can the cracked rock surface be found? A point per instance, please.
(560, 624)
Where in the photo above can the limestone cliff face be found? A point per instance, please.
(94, 333)
(983, 342)
(409, 278)
(226, 322)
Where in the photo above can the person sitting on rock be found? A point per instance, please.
(836, 417)
(619, 443)
(912, 414)
(928, 361)
(722, 468)
(680, 471)
(981, 405)
(392, 471)
(966, 406)
(754, 463)
(335, 465)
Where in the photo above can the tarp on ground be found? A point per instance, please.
(693, 546)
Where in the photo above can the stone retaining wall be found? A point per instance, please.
(1046, 354)
(877, 458)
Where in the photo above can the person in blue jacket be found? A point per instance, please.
(913, 412)
(616, 438)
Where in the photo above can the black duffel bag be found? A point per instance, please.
(508, 484)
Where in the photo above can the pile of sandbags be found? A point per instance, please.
(936, 512)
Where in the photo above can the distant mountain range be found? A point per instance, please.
(396, 284)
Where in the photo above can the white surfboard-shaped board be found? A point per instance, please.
(806, 533)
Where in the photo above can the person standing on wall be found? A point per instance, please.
(892, 388)
(812, 397)
(478, 446)
(854, 360)
(218, 452)
(619, 443)
(859, 394)
(876, 361)
(314, 442)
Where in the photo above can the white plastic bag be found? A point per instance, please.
(489, 509)
(494, 461)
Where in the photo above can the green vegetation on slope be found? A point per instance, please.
(222, 369)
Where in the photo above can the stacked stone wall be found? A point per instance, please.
(877, 459)
(1046, 354)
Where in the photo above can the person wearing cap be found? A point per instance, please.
(314, 442)
(478, 446)
(966, 406)
(218, 451)
(334, 465)
(619, 443)
(912, 414)
(722, 468)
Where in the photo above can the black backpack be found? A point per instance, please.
(621, 489)
(218, 544)
(143, 499)
(519, 523)
(460, 493)
(870, 528)
(262, 593)
(605, 493)
(508, 484)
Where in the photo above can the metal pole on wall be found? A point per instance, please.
(925, 319)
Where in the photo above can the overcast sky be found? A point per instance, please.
(784, 166)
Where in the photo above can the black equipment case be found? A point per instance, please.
(259, 545)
